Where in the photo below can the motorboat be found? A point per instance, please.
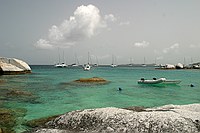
(162, 81)
(151, 81)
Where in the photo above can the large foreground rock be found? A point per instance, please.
(13, 66)
(170, 119)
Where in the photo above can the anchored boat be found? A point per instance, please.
(158, 81)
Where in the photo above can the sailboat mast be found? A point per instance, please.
(63, 57)
(97, 60)
(88, 57)
(112, 59)
(59, 55)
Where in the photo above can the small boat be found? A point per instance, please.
(161, 81)
(149, 81)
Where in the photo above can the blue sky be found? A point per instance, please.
(39, 31)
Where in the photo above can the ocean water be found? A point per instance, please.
(48, 91)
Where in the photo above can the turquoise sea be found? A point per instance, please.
(48, 91)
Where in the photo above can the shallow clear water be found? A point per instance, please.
(52, 94)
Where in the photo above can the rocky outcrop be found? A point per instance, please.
(91, 80)
(170, 118)
(83, 82)
(13, 66)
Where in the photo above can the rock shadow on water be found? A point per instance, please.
(84, 82)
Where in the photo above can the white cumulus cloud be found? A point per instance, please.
(171, 48)
(43, 44)
(110, 17)
(84, 23)
(142, 44)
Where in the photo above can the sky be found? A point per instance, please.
(41, 32)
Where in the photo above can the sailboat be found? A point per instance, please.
(97, 62)
(144, 63)
(131, 62)
(60, 65)
(76, 64)
(87, 67)
(113, 62)
(155, 64)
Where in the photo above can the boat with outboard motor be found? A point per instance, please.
(150, 81)
(163, 81)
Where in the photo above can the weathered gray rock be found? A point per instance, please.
(13, 66)
(170, 118)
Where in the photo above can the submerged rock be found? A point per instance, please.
(19, 93)
(170, 118)
(13, 66)
(20, 96)
(7, 120)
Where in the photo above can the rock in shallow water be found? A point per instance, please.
(91, 80)
(83, 82)
(171, 118)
